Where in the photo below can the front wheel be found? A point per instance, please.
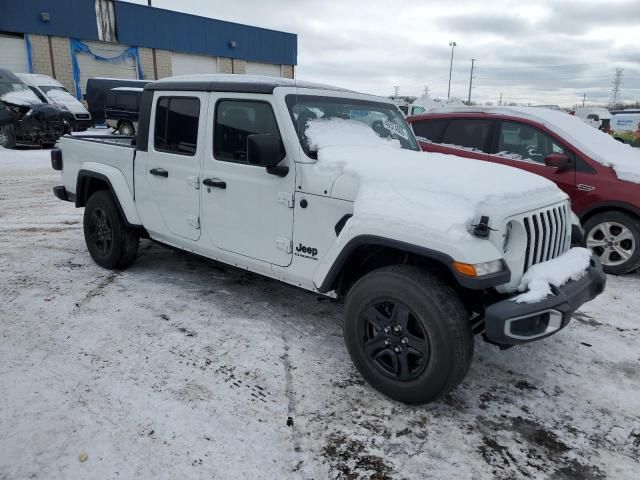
(110, 242)
(615, 238)
(408, 333)
(7, 136)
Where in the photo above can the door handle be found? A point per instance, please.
(159, 172)
(214, 182)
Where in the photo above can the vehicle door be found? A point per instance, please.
(465, 137)
(525, 146)
(247, 207)
(169, 198)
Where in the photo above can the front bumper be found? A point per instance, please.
(509, 323)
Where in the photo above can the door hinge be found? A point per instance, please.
(286, 198)
(194, 221)
(194, 181)
(284, 244)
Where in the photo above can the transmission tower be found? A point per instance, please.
(616, 87)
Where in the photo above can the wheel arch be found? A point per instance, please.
(90, 181)
(365, 253)
(621, 207)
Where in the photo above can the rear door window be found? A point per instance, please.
(176, 125)
(468, 133)
(520, 141)
(430, 130)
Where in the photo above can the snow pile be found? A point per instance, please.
(427, 194)
(600, 146)
(536, 283)
(20, 97)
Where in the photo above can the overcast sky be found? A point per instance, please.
(544, 52)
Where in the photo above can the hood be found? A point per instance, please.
(61, 97)
(435, 193)
(23, 98)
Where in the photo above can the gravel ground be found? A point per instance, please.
(179, 368)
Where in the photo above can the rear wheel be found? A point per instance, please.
(408, 334)
(615, 238)
(110, 242)
(7, 136)
(127, 128)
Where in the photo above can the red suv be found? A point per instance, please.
(578, 158)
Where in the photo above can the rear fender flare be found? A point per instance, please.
(118, 186)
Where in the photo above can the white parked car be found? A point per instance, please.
(49, 90)
(597, 117)
(295, 181)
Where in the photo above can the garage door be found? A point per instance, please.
(13, 54)
(185, 64)
(257, 68)
(92, 68)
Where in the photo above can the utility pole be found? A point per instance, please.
(452, 45)
(500, 102)
(473, 60)
(584, 98)
(616, 87)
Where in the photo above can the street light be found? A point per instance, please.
(452, 45)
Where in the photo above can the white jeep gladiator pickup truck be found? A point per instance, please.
(222, 166)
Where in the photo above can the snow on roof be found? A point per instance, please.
(38, 79)
(400, 187)
(261, 79)
(128, 89)
(601, 147)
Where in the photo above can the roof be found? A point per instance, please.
(143, 26)
(233, 83)
(8, 77)
(529, 113)
(39, 79)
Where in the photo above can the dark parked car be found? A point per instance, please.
(24, 119)
(122, 108)
(97, 90)
(600, 175)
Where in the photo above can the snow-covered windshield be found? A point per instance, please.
(49, 88)
(17, 93)
(383, 118)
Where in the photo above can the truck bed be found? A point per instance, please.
(96, 153)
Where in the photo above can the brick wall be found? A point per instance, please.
(146, 62)
(287, 71)
(239, 66)
(40, 58)
(62, 62)
(163, 61)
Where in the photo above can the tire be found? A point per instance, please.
(110, 242)
(127, 129)
(7, 136)
(615, 238)
(433, 322)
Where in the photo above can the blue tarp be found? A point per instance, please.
(78, 46)
(27, 42)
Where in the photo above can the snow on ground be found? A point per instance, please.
(179, 368)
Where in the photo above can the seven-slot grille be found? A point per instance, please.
(547, 235)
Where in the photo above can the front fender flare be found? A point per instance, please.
(118, 186)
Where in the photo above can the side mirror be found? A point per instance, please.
(268, 151)
(557, 160)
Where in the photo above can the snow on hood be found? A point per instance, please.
(600, 146)
(21, 97)
(425, 193)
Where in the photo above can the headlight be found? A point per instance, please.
(479, 269)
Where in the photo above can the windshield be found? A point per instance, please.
(48, 88)
(384, 119)
(12, 87)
